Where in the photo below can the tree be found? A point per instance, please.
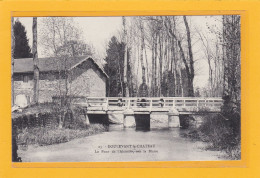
(190, 69)
(21, 47)
(142, 49)
(114, 67)
(209, 56)
(211, 45)
(79, 48)
(35, 63)
(231, 57)
(223, 56)
(62, 41)
(126, 87)
(143, 88)
(188, 62)
(162, 53)
(231, 49)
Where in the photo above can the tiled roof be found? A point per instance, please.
(25, 65)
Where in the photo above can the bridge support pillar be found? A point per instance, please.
(129, 118)
(87, 120)
(173, 118)
(116, 118)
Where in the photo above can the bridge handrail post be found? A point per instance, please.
(106, 107)
(151, 105)
(87, 102)
(173, 103)
(128, 103)
(197, 105)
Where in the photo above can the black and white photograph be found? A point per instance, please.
(126, 88)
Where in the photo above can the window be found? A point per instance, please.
(25, 78)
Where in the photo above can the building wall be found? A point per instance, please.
(86, 80)
(47, 89)
(23, 88)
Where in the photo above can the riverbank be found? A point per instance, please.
(40, 136)
(220, 133)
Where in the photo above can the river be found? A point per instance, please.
(124, 144)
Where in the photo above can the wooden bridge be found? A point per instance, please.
(137, 111)
(102, 105)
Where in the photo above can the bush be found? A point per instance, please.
(48, 136)
(222, 133)
(72, 118)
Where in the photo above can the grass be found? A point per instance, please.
(73, 126)
(48, 136)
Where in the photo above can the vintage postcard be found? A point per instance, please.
(126, 88)
(120, 88)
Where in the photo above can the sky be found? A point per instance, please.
(96, 30)
(99, 30)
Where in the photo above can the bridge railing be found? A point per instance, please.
(152, 103)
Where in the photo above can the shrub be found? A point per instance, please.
(222, 133)
(48, 136)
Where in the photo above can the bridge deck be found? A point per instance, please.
(102, 105)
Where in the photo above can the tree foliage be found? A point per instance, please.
(161, 57)
(22, 48)
(232, 57)
(114, 67)
(168, 47)
(165, 51)
(59, 33)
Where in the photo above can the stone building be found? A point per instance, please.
(77, 76)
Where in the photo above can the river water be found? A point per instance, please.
(124, 144)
